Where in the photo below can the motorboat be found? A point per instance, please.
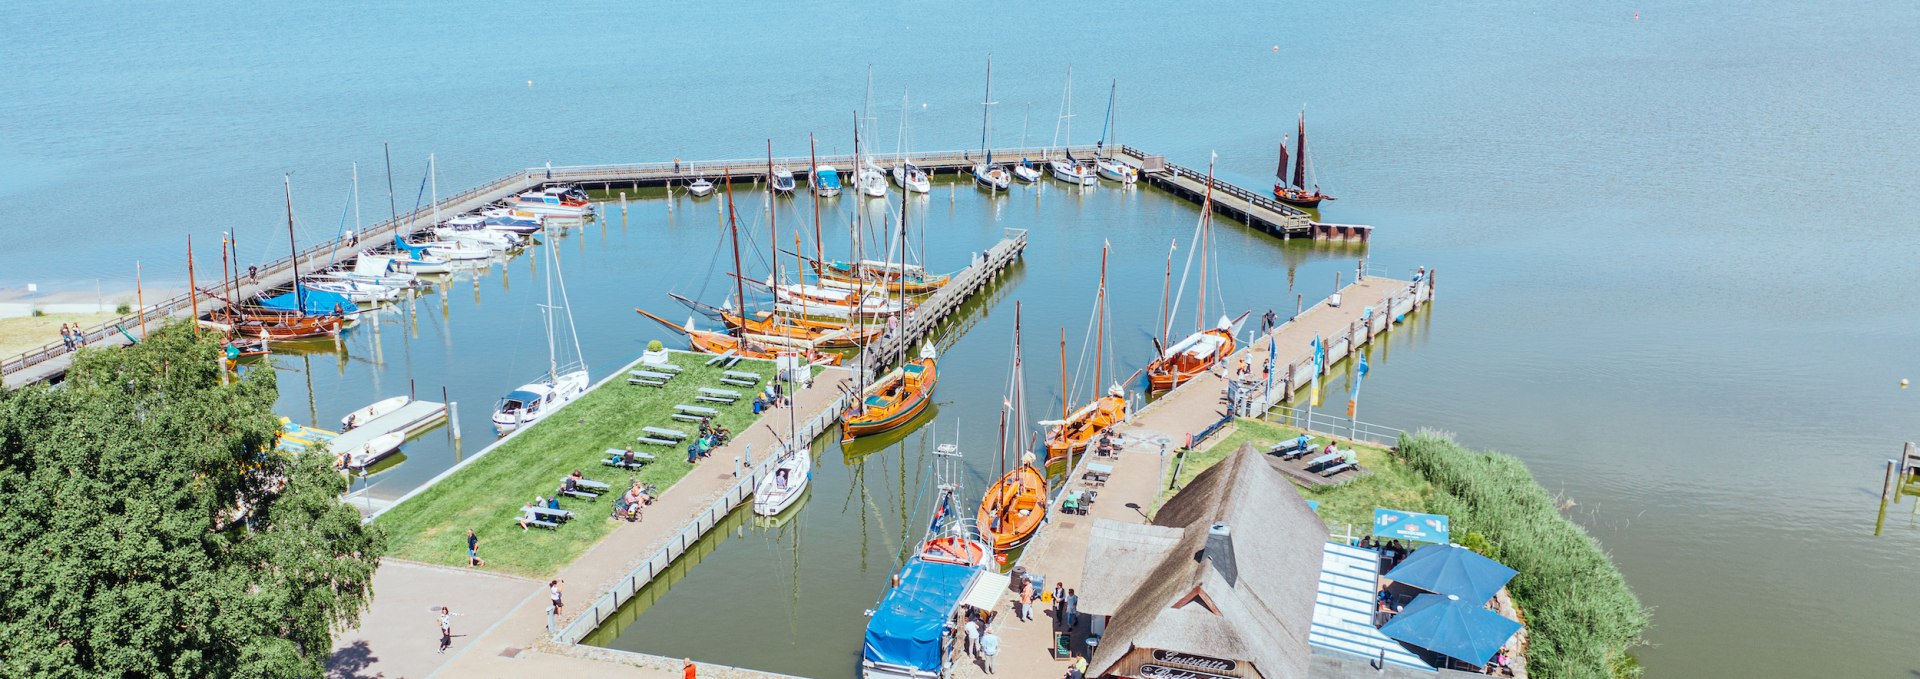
(557, 201)
(826, 181)
(375, 450)
(785, 485)
(514, 221)
(358, 291)
(911, 178)
(374, 410)
(474, 230)
(701, 187)
(1026, 172)
(782, 181)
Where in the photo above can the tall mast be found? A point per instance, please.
(1106, 130)
(358, 226)
(433, 180)
(299, 300)
(1166, 294)
(1019, 387)
(1300, 155)
(1100, 324)
(986, 114)
(392, 207)
(553, 355)
(1065, 401)
(739, 285)
(1206, 237)
(773, 238)
(813, 178)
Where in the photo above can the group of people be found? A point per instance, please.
(527, 516)
(710, 437)
(72, 336)
(1392, 552)
(981, 643)
(629, 505)
(771, 397)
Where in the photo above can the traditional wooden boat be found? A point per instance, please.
(1191, 357)
(1014, 506)
(1297, 190)
(711, 342)
(283, 327)
(1078, 429)
(894, 399)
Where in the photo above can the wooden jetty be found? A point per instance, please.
(410, 419)
(897, 344)
(49, 362)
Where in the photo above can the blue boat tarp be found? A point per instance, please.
(1452, 627)
(1451, 569)
(905, 629)
(311, 302)
(414, 252)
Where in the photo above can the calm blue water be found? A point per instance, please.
(1674, 268)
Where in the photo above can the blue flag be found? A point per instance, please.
(1353, 400)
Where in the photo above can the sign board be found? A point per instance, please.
(1195, 661)
(1414, 526)
(1154, 671)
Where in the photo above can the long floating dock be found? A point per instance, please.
(412, 418)
(49, 362)
(895, 346)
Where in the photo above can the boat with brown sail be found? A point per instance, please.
(1297, 190)
(1015, 504)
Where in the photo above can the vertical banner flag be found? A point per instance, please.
(1273, 356)
(1313, 388)
(1353, 400)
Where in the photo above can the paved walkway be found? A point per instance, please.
(1139, 475)
(506, 618)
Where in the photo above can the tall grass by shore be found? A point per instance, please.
(1580, 614)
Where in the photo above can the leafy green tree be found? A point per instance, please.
(143, 532)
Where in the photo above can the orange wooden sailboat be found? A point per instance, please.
(1076, 429)
(1199, 352)
(712, 342)
(894, 399)
(1016, 504)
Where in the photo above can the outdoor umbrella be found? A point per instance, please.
(1452, 627)
(1447, 569)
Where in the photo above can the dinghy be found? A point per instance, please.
(366, 454)
(376, 409)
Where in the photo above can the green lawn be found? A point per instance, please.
(1392, 484)
(486, 495)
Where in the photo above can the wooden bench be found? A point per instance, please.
(650, 375)
(657, 442)
(665, 433)
(591, 484)
(721, 357)
(531, 521)
(663, 367)
(580, 494)
(738, 382)
(696, 410)
(1289, 448)
(646, 382)
(683, 417)
(621, 461)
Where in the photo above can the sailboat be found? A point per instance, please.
(909, 176)
(988, 175)
(1068, 170)
(1071, 434)
(792, 470)
(894, 399)
(1108, 167)
(534, 401)
(1016, 504)
(1297, 190)
(1197, 353)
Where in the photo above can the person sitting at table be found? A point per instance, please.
(628, 459)
(721, 435)
(571, 483)
(526, 514)
(553, 502)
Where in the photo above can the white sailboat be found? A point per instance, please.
(535, 400)
(1067, 169)
(791, 472)
(1025, 170)
(909, 176)
(989, 176)
(1103, 160)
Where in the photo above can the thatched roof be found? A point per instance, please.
(1255, 605)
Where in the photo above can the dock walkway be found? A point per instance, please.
(1149, 439)
(410, 419)
(897, 344)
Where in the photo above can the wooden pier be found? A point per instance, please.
(49, 362)
(896, 345)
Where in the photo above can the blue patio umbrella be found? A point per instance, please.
(1452, 627)
(1450, 569)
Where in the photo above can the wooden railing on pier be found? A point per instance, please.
(897, 344)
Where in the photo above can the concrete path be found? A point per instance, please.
(506, 618)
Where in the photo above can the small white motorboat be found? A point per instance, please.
(558, 201)
(911, 178)
(783, 487)
(371, 268)
(511, 220)
(531, 402)
(873, 182)
(700, 188)
(366, 454)
(357, 291)
(1026, 172)
(782, 181)
(826, 181)
(375, 410)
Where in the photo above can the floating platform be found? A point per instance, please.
(410, 419)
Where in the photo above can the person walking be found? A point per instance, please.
(446, 629)
(553, 592)
(1073, 609)
(473, 550)
(1025, 610)
(973, 637)
(989, 647)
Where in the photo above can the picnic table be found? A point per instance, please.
(696, 410)
(1098, 472)
(665, 433)
(596, 485)
(713, 395)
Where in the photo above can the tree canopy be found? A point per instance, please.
(144, 532)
